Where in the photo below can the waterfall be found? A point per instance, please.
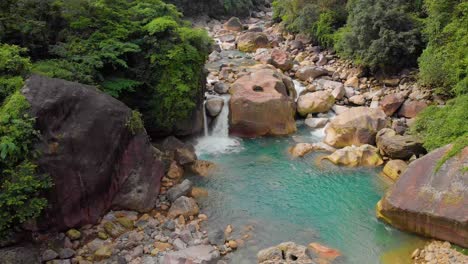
(218, 141)
(221, 125)
(299, 88)
(205, 120)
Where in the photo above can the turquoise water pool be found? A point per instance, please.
(263, 192)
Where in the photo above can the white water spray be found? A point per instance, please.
(218, 141)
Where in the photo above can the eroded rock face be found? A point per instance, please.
(95, 161)
(365, 155)
(317, 102)
(260, 105)
(430, 202)
(355, 126)
(396, 146)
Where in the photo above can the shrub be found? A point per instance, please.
(316, 18)
(134, 123)
(20, 184)
(13, 67)
(439, 126)
(381, 34)
(444, 63)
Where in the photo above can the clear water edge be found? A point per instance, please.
(257, 184)
(260, 190)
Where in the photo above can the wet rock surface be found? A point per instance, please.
(439, 207)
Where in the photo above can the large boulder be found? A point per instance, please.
(184, 206)
(214, 106)
(394, 168)
(396, 146)
(411, 109)
(431, 200)
(260, 105)
(233, 24)
(390, 103)
(251, 41)
(281, 60)
(310, 72)
(284, 253)
(352, 156)
(22, 254)
(355, 126)
(317, 102)
(96, 160)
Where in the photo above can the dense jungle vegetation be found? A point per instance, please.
(140, 52)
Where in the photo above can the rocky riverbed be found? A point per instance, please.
(267, 79)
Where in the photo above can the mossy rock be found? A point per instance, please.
(73, 234)
(126, 222)
(102, 253)
(114, 229)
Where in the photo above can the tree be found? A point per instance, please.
(316, 18)
(381, 34)
(444, 63)
(139, 51)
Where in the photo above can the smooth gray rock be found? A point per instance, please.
(216, 237)
(19, 255)
(182, 189)
(66, 253)
(49, 254)
(203, 254)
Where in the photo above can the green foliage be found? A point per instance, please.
(116, 86)
(457, 146)
(13, 66)
(20, 195)
(317, 18)
(135, 123)
(235, 5)
(444, 63)
(439, 126)
(20, 186)
(133, 50)
(381, 34)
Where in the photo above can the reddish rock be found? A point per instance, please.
(280, 59)
(428, 201)
(98, 164)
(411, 109)
(390, 103)
(324, 252)
(260, 105)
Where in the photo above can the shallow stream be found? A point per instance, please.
(266, 194)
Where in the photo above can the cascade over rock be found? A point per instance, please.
(428, 201)
(355, 126)
(260, 105)
(95, 161)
